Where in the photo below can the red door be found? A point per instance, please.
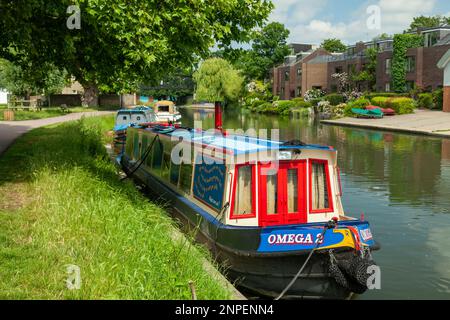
(282, 198)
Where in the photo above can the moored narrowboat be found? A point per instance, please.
(269, 211)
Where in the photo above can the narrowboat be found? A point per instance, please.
(130, 117)
(269, 211)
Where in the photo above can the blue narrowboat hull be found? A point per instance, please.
(255, 259)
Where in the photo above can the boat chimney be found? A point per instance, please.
(218, 116)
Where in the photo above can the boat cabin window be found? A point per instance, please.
(320, 187)
(243, 192)
(163, 108)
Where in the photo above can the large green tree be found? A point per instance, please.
(122, 43)
(333, 45)
(268, 49)
(217, 80)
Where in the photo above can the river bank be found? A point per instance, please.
(64, 213)
(432, 123)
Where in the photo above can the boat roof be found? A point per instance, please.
(235, 144)
(138, 109)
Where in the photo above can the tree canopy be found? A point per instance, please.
(122, 43)
(268, 49)
(333, 45)
(23, 81)
(217, 80)
(428, 22)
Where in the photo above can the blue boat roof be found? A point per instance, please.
(238, 144)
(139, 109)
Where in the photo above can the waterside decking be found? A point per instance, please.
(434, 123)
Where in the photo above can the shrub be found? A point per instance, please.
(438, 99)
(265, 107)
(380, 101)
(313, 94)
(315, 102)
(359, 103)
(372, 95)
(300, 103)
(335, 99)
(401, 105)
(324, 106)
(284, 107)
(425, 100)
(339, 110)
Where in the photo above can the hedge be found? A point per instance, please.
(425, 100)
(438, 99)
(334, 99)
(400, 105)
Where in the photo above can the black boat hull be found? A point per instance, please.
(260, 274)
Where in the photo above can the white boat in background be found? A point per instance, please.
(166, 111)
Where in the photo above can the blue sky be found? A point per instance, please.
(311, 21)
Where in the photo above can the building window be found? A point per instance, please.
(387, 88)
(388, 66)
(282, 91)
(431, 38)
(299, 72)
(299, 91)
(339, 70)
(410, 64)
(286, 76)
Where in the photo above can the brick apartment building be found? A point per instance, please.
(307, 68)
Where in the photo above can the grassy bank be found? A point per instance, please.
(48, 112)
(62, 204)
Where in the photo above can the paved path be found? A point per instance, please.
(11, 130)
(435, 123)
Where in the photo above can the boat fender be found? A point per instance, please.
(335, 268)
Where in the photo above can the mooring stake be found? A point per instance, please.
(194, 294)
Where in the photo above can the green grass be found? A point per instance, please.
(61, 203)
(48, 112)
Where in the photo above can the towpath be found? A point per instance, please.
(434, 123)
(11, 130)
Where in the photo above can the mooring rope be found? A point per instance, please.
(146, 154)
(330, 225)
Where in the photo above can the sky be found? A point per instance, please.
(311, 21)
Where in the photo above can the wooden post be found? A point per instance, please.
(8, 115)
(194, 294)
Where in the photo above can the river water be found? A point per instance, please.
(400, 182)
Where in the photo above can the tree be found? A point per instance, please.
(122, 43)
(383, 36)
(217, 80)
(333, 45)
(26, 81)
(427, 22)
(269, 47)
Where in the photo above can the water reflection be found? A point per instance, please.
(401, 183)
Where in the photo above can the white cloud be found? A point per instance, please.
(311, 22)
